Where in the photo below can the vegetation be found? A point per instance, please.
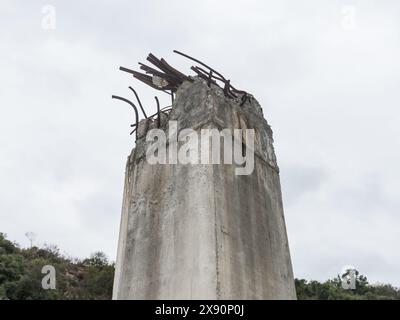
(332, 290)
(21, 278)
(21, 274)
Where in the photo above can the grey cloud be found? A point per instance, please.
(297, 180)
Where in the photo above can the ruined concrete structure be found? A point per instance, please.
(200, 231)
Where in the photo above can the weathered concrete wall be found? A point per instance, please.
(200, 231)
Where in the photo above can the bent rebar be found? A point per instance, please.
(138, 100)
(134, 108)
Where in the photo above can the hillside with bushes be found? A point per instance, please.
(92, 278)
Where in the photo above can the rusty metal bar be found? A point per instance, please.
(143, 77)
(126, 70)
(174, 71)
(138, 100)
(169, 78)
(158, 113)
(208, 72)
(174, 79)
(134, 108)
(165, 67)
(154, 60)
(202, 75)
(223, 79)
(164, 110)
(149, 81)
(198, 61)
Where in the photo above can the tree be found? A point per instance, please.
(31, 236)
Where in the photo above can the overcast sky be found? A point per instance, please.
(327, 74)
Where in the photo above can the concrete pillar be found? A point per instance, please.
(198, 231)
